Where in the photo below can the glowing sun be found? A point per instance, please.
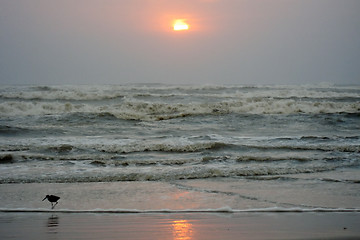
(180, 25)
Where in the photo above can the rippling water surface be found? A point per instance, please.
(157, 132)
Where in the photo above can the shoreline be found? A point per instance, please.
(224, 210)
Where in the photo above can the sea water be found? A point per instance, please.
(268, 146)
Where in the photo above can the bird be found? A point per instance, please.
(52, 199)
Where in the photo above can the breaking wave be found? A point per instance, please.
(75, 174)
(163, 111)
(161, 102)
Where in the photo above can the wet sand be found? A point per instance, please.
(161, 210)
(182, 195)
(179, 226)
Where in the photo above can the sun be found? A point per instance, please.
(180, 25)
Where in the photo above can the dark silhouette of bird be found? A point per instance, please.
(52, 199)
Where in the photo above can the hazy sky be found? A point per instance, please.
(132, 41)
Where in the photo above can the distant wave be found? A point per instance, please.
(104, 92)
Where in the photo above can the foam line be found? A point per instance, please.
(164, 211)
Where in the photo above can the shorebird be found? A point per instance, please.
(52, 199)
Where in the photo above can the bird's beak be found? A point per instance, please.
(44, 198)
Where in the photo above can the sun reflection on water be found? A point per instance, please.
(182, 230)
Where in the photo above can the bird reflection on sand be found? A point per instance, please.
(53, 224)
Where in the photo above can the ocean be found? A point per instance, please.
(229, 147)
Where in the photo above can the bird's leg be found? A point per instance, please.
(53, 206)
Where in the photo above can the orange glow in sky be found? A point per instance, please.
(180, 25)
